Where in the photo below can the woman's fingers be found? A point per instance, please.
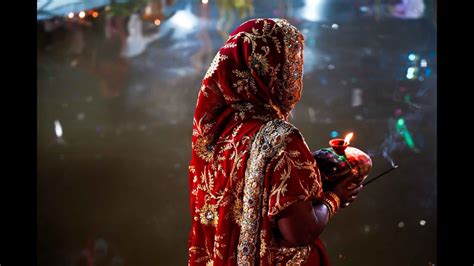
(350, 196)
(355, 191)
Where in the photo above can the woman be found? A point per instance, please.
(256, 191)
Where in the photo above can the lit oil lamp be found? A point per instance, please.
(337, 161)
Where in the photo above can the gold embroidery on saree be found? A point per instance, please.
(215, 63)
(269, 141)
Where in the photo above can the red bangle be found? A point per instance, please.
(332, 202)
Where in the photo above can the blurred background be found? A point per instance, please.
(117, 83)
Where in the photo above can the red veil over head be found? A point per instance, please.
(257, 74)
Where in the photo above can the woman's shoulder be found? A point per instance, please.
(278, 133)
(285, 133)
(280, 127)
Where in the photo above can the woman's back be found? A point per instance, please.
(258, 170)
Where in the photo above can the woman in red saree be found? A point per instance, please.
(256, 193)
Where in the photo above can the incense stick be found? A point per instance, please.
(380, 175)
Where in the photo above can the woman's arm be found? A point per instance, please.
(302, 222)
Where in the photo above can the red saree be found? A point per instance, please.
(248, 163)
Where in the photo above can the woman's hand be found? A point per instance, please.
(347, 190)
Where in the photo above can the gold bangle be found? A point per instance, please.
(337, 202)
(330, 208)
(332, 202)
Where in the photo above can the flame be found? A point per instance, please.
(348, 138)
